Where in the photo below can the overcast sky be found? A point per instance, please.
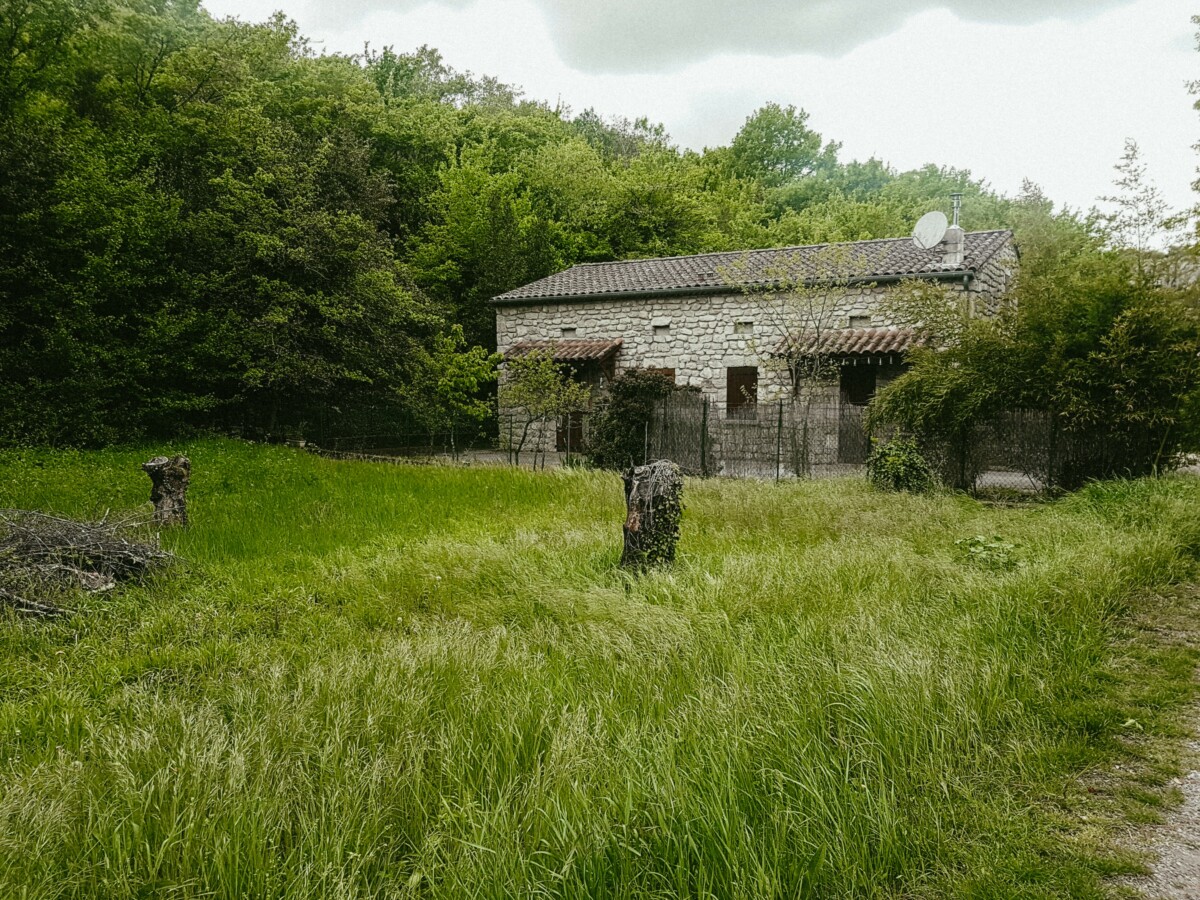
(1010, 89)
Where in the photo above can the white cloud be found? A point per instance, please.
(660, 35)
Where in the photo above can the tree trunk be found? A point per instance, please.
(168, 492)
(654, 504)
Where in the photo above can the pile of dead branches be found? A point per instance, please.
(46, 559)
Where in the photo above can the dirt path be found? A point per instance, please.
(1175, 873)
(1173, 846)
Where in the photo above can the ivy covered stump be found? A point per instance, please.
(654, 505)
(169, 478)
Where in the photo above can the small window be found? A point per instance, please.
(860, 321)
(741, 391)
(665, 373)
(570, 332)
(661, 331)
(743, 327)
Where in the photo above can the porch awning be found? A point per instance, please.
(569, 350)
(850, 342)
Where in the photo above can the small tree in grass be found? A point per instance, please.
(537, 389)
(445, 396)
(1138, 216)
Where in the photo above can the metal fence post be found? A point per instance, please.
(704, 437)
(662, 438)
(779, 444)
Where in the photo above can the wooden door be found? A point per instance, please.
(569, 437)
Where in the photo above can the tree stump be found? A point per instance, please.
(168, 492)
(654, 504)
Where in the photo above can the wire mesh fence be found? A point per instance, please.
(1031, 450)
(782, 439)
(1014, 450)
(409, 443)
(501, 438)
(1019, 450)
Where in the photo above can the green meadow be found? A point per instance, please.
(383, 681)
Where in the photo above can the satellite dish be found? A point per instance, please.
(930, 230)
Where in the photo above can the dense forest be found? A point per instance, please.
(205, 224)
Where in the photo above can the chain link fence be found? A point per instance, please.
(500, 438)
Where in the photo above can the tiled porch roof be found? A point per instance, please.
(852, 342)
(570, 350)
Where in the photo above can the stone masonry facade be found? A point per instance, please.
(704, 335)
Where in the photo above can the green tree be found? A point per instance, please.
(203, 244)
(424, 74)
(1138, 220)
(776, 146)
(445, 393)
(655, 209)
(38, 40)
(839, 218)
(619, 138)
(485, 239)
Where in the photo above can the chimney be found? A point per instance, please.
(954, 244)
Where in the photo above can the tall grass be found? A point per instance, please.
(376, 681)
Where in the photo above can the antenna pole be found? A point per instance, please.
(957, 199)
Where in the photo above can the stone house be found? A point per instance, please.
(724, 323)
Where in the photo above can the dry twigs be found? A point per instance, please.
(51, 556)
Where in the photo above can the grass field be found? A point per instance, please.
(390, 681)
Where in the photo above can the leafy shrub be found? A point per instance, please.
(1110, 361)
(618, 434)
(993, 553)
(899, 466)
(945, 396)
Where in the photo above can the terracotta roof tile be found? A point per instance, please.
(571, 350)
(854, 341)
(864, 260)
